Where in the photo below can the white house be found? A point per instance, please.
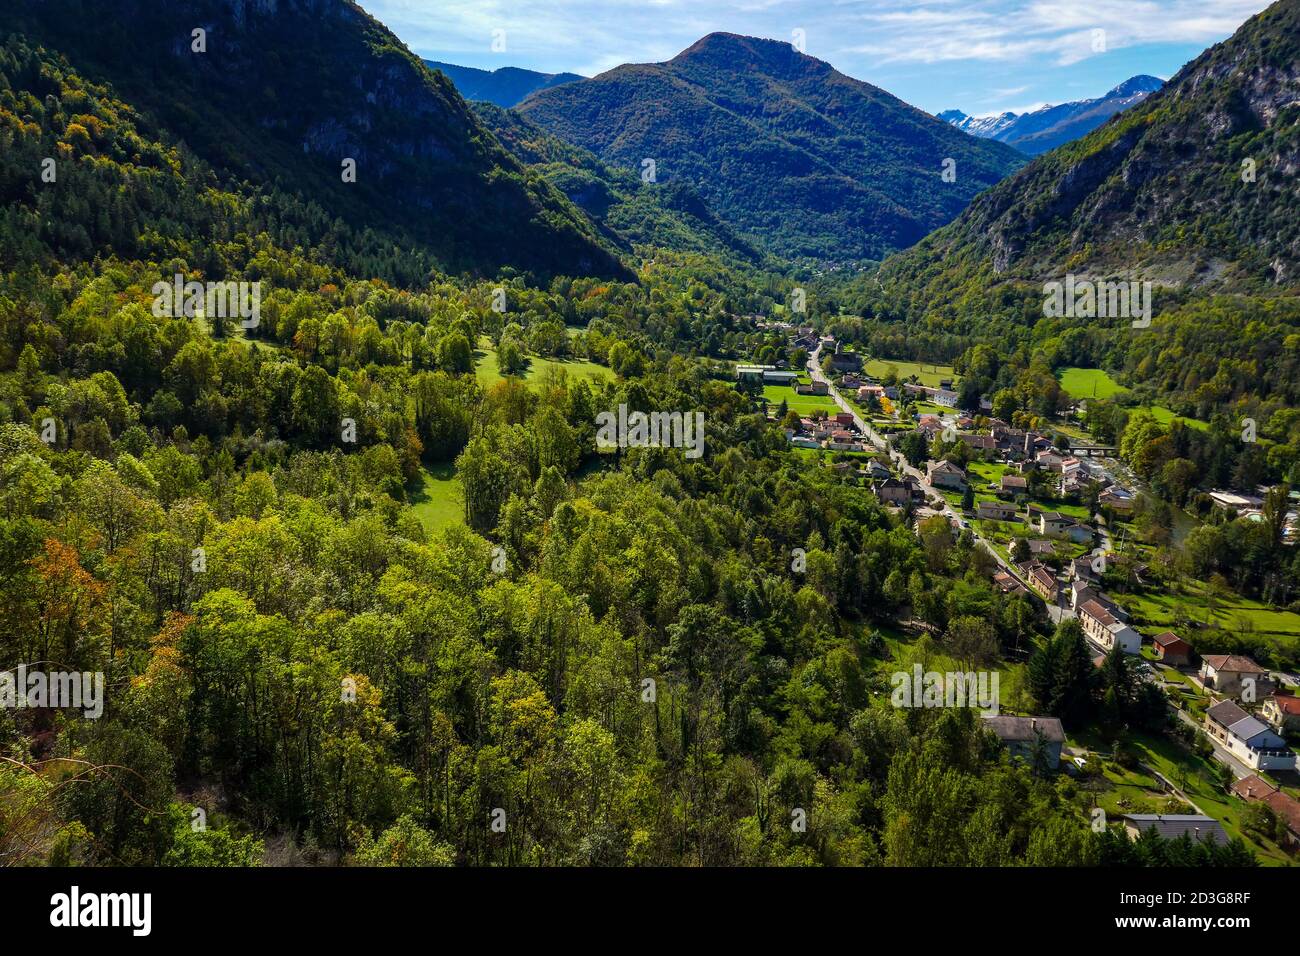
(1229, 673)
(1106, 630)
(1248, 738)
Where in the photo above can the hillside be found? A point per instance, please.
(810, 162)
(506, 86)
(1159, 193)
(1051, 126)
(285, 93)
(631, 213)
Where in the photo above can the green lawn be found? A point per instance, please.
(1088, 383)
(1196, 776)
(437, 500)
(926, 373)
(1153, 610)
(1164, 416)
(803, 404)
(488, 373)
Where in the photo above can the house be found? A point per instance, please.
(1081, 592)
(1024, 735)
(1014, 485)
(944, 474)
(812, 388)
(1056, 525)
(1247, 738)
(1228, 673)
(996, 511)
(1231, 501)
(868, 392)
(1049, 460)
(1008, 583)
(752, 373)
(1172, 826)
(846, 362)
(1255, 789)
(1282, 711)
(1081, 569)
(1043, 582)
(946, 398)
(1042, 549)
(893, 492)
(876, 471)
(1106, 630)
(844, 418)
(1116, 498)
(984, 446)
(1172, 649)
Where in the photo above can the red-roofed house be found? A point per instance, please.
(1282, 711)
(1255, 789)
(1172, 649)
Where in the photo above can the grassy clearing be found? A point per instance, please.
(803, 404)
(436, 499)
(927, 373)
(1161, 609)
(1164, 416)
(1089, 383)
(488, 371)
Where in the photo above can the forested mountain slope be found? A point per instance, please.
(280, 95)
(811, 162)
(1194, 190)
(669, 215)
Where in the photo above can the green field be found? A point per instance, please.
(1088, 383)
(1096, 383)
(488, 373)
(803, 404)
(437, 500)
(1155, 610)
(1164, 416)
(1136, 791)
(926, 373)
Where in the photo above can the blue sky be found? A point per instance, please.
(981, 56)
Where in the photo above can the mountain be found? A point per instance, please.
(504, 87)
(812, 163)
(629, 212)
(1051, 126)
(985, 127)
(283, 93)
(1193, 190)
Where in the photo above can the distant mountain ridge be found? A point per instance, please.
(506, 86)
(1051, 126)
(810, 162)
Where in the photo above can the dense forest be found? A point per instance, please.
(611, 657)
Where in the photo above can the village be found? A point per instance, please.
(1049, 512)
